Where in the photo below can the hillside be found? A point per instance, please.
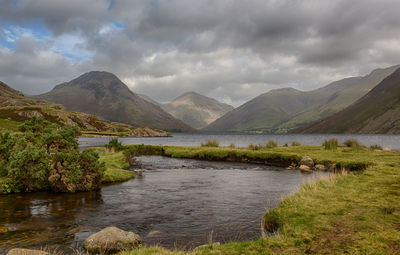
(280, 111)
(196, 110)
(377, 112)
(16, 108)
(105, 96)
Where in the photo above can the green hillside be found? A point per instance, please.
(377, 112)
(280, 111)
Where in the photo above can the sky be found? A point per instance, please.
(226, 49)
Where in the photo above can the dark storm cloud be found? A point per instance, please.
(229, 49)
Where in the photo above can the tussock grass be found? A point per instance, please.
(331, 144)
(210, 143)
(272, 144)
(296, 143)
(353, 143)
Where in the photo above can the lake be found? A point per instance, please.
(243, 140)
(177, 203)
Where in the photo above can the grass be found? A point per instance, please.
(9, 125)
(210, 143)
(350, 212)
(115, 164)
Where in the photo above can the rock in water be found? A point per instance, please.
(307, 161)
(320, 167)
(305, 168)
(112, 240)
(18, 251)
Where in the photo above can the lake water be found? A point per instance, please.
(184, 201)
(243, 140)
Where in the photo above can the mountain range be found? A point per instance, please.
(376, 112)
(283, 110)
(105, 96)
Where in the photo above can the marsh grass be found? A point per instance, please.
(375, 147)
(296, 143)
(271, 144)
(331, 144)
(210, 143)
(353, 144)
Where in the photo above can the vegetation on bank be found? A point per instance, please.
(45, 156)
(349, 212)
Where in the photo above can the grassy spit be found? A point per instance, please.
(115, 166)
(350, 212)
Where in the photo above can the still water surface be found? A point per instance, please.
(183, 200)
(243, 140)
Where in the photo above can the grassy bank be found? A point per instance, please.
(353, 212)
(115, 166)
(344, 157)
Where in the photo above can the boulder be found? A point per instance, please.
(386, 149)
(305, 168)
(307, 161)
(207, 246)
(320, 167)
(112, 240)
(19, 251)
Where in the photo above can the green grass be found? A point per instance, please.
(351, 212)
(115, 164)
(9, 125)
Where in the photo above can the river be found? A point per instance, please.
(179, 202)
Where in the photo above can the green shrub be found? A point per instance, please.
(331, 144)
(115, 144)
(352, 143)
(46, 156)
(296, 143)
(271, 144)
(375, 147)
(210, 143)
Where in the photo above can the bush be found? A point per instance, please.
(210, 143)
(115, 144)
(331, 144)
(271, 144)
(375, 147)
(46, 156)
(232, 146)
(352, 143)
(295, 143)
(255, 147)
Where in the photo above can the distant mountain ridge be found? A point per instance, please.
(377, 112)
(283, 110)
(195, 109)
(104, 95)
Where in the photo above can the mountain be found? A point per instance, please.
(195, 109)
(105, 96)
(283, 110)
(16, 108)
(377, 112)
(149, 99)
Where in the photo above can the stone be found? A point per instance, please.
(305, 168)
(112, 240)
(154, 233)
(207, 245)
(307, 161)
(386, 149)
(320, 167)
(19, 251)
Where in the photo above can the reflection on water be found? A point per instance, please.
(243, 140)
(176, 203)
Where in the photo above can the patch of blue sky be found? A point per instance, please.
(10, 33)
(118, 25)
(111, 5)
(72, 48)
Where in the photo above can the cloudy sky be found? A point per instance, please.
(230, 50)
